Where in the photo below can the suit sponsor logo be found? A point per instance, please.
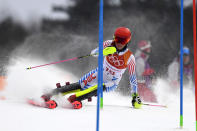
(89, 79)
(117, 62)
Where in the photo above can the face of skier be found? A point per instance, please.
(119, 46)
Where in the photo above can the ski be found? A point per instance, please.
(51, 104)
(36, 103)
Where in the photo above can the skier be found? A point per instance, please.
(144, 71)
(114, 66)
(174, 67)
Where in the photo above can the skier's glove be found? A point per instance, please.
(136, 102)
(106, 51)
(95, 52)
(109, 50)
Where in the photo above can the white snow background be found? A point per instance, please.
(117, 114)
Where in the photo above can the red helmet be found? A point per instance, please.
(122, 35)
(143, 44)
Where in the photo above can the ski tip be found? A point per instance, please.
(35, 103)
(31, 102)
(2, 98)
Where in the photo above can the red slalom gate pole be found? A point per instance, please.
(195, 56)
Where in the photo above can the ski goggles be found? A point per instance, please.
(122, 41)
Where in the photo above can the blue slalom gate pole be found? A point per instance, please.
(181, 67)
(100, 64)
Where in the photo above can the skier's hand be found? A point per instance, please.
(109, 50)
(106, 51)
(95, 52)
(136, 102)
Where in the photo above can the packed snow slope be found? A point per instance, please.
(117, 114)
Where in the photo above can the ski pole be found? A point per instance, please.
(75, 58)
(154, 105)
(106, 51)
